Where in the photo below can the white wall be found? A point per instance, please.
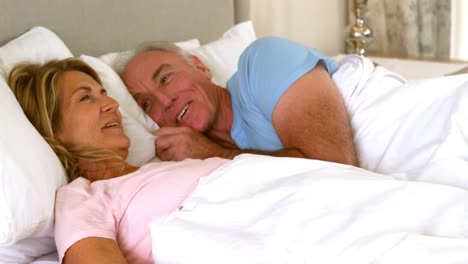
(459, 41)
(317, 23)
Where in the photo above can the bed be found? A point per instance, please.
(408, 203)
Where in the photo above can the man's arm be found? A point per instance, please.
(311, 118)
(94, 250)
(178, 143)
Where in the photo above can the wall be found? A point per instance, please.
(317, 23)
(459, 40)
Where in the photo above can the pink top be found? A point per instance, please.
(122, 208)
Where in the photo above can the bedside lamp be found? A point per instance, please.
(359, 34)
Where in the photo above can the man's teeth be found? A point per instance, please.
(182, 112)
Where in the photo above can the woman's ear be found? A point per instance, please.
(201, 66)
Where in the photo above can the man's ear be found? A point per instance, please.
(201, 66)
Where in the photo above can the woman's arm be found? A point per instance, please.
(94, 250)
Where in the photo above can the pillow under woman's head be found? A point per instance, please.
(30, 171)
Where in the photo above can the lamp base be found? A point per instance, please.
(359, 34)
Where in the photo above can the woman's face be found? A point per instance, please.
(88, 117)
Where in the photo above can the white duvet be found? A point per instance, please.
(415, 130)
(259, 209)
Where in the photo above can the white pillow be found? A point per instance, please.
(27, 250)
(222, 55)
(38, 45)
(2, 74)
(30, 172)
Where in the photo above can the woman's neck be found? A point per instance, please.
(103, 170)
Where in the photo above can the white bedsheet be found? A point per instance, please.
(259, 209)
(51, 258)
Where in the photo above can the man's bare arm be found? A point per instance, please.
(183, 142)
(311, 117)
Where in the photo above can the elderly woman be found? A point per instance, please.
(99, 221)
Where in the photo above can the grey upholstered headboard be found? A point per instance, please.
(95, 27)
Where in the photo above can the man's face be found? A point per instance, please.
(172, 90)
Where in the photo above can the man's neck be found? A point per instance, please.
(221, 130)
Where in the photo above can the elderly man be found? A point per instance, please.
(281, 102)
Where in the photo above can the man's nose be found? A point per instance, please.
(165, 99)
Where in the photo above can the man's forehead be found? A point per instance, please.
(150, 60)
(155, 56)
(146, 59)
(140, 64)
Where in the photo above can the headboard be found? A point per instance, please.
(97, 26)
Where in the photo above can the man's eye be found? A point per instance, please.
(165, 78)
(85, 98)
(144, 105)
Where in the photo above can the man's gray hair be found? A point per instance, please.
(124, 58)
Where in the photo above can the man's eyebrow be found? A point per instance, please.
(158, 71)
(136, 96)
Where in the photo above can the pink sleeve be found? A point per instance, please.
(80, 213)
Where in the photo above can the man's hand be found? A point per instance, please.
(179, 143)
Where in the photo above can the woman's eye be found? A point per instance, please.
(104, 91)
(85, 98)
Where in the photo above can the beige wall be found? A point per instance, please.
(317, 23)
(459, 41)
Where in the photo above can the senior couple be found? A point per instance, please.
(281, 102)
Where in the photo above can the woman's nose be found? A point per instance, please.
(109, 104)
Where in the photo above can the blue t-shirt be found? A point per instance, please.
(266, 69)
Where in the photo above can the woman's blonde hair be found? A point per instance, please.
(36, 88)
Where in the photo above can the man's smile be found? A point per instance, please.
(182, 113)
